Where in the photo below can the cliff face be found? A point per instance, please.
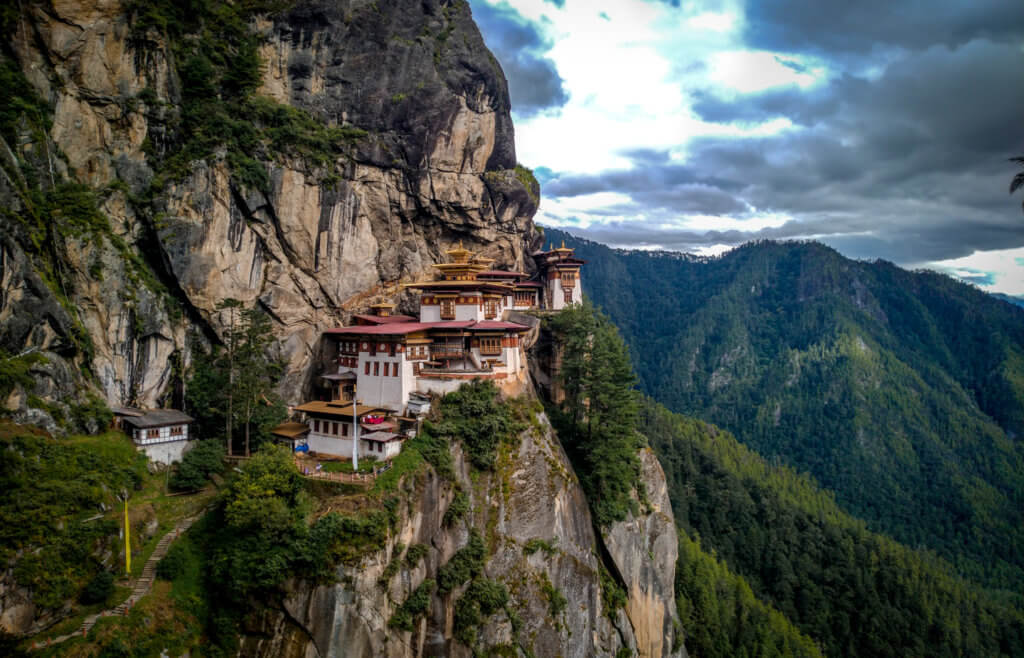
(532, 495)
(430, 165)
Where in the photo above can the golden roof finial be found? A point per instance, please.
(563, 244)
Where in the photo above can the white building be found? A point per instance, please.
(560, 271)
(392, 363)
(163, 434)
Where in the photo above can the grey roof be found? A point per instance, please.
(337, 377)
(158, 418)
(383, 437)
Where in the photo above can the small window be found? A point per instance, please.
(367, 368)
(568, 295)
(490, 346)
(394, 370)
(491, 309)
(316, 425)
(334, 429)
(391, 348)
(386, 366)
(376, 368)
(344, 429)
(447, 309)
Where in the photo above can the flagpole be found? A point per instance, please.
(127, 540)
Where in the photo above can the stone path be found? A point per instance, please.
(140, 587)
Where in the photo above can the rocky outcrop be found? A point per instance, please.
(319, 243)
(532, 497)
(644, 549)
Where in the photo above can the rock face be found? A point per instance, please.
(433, 168)
(644, 549)
(532, 495)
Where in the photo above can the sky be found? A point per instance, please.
(882, 128)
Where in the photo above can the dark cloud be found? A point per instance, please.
(910, 166)
(860, 27)
(533, 80)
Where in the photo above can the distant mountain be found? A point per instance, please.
(903, 392)
(1016, 301)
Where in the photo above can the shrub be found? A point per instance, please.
(198, 465)
(467, 563)
(99, 588)
(538, 544)
(482, 599)
(556, 600)
(479, 419)
(457, 509)
(173, 564)
(415, 553)
(413, 607)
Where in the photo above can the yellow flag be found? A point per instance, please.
(127, 541)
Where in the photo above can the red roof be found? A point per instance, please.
(402, 328)
(493, 325)
(387, 319)
(529, 284)
(501, 274)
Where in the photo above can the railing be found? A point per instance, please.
(446, 352)
(348, 478)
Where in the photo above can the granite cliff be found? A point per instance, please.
(421, 156)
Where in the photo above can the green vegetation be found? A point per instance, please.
(198, 464)
(899, 391)
(457, 510)
(468, 562)
(52, 489)
(525, 176)
(596, 418)
(98, 589)
(415, 554)
(475, 415)
(220, 69)
(556, 600)
(537, 544)
(482, 598)
(15, 371)
(413, 607)
(723, 618)
(175, 562)
(231, 390)
(778, 536)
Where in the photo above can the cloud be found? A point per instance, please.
(533, 80)
(864, 26)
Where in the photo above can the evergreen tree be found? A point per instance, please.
(597, 415)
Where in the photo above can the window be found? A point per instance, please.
(394, 370)
(316, 425)
(568, 280)
(367, 369)
(490, 346)
(344, 429)
(447, 309)
(391, 348)
(376, 368)
(334, 429)
(491, 309)
(386, 366)
(568, 295)
(177, 430)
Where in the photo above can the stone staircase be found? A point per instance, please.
(140, 587)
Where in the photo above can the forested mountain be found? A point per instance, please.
(854, 592)
(903, 392)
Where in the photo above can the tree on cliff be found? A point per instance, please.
(233, 386)
(596, 419)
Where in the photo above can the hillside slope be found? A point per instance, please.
(902, 392)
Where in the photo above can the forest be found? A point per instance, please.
(900, 392)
